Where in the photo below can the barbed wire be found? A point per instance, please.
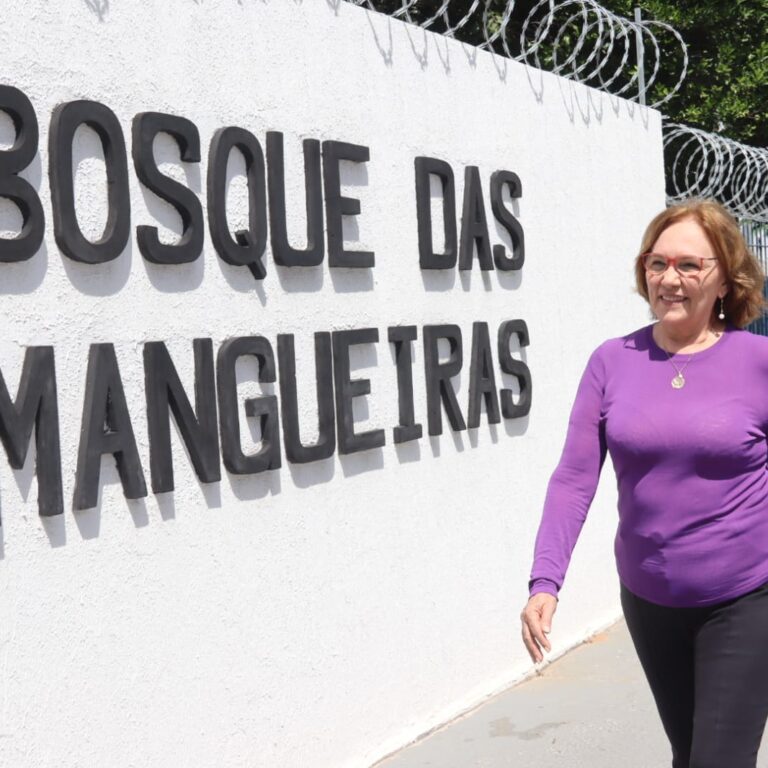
(581, 40)
(577, 39)
(702, 164)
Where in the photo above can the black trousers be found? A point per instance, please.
(708, 671)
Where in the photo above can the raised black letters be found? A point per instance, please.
(246, 248)
(337, 205)
(504, 216)
(264, 408)
(428, 259)
(482, 382)
(282, 252)
(146, 125)
(12, 187)
(516, 368)
(198, 428)
(401, 337)
(347, 389)
(438, 377)
(106, 428)
(474, 225)
(36, 406)
(295, 451)
(66, 119)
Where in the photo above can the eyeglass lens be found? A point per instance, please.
(685, 265)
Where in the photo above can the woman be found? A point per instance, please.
(682, 407)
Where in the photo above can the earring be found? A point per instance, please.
(721, 316)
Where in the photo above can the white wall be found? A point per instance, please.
(325, 614)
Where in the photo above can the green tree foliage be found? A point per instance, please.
(726, 89)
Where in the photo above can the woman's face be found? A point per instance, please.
(685, 301)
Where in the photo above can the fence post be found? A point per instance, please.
(640, 56)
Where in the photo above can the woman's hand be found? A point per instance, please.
(537, 623)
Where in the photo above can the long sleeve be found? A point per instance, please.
(690, 464)
(573, 483)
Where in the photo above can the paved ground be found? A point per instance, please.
(589, 709)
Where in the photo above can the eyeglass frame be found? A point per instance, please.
(673, 261)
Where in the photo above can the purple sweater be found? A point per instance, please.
(690, 465)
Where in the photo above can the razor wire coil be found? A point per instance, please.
(582, 41)
(702, 164)
(577, 39)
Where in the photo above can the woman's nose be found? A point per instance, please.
(670, 275)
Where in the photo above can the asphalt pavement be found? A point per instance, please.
(589, 709)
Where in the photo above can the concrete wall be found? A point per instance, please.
(320, 614)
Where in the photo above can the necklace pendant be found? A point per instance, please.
(678, 382)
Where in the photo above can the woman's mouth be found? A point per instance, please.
(673, 299)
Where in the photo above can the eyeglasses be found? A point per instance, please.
(685, 266)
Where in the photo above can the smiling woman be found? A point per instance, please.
(701, 229)
(691, 465)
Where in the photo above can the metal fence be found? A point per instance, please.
(756, 235)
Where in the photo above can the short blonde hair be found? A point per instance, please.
(744, 301)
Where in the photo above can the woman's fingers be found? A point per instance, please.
(536, 629)
(537, 623)
(530, 644)
(547, 612)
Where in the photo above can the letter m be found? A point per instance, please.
(35, 406)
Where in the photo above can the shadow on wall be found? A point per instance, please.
(99, 7)
(582, 102)
(240, 2)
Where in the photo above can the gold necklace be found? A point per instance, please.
(678, 382)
